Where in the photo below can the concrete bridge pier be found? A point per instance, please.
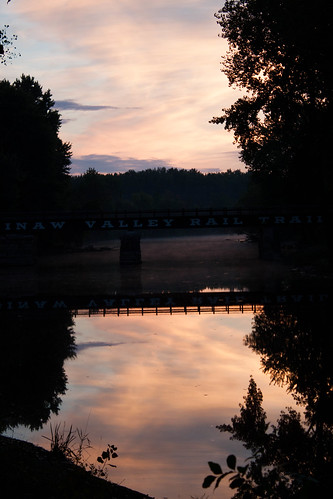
(130, 248)
(269, 243)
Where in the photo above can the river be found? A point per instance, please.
(154, 384)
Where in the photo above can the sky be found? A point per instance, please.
(136, 82)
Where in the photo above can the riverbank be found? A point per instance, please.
(31, 472)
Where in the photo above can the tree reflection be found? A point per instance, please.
(292, 458)
(295, 344)
(32, 376)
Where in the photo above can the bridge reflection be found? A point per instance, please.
(162, 303)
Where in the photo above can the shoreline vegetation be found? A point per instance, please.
(30, 471)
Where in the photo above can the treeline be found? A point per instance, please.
(160, 188)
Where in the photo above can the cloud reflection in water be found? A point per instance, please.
(159, 395)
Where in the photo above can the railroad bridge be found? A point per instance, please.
(269, 222)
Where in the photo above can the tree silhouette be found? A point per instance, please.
(34, 161)
(159, 188)
(7, 49)
(32, 377)
(279, 51)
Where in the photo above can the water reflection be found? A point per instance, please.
(293, 457)
(34, 347)
(157, 386)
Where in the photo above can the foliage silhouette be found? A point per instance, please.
(74, 444)
(279, 52)
(34, 160)
(158, 188)
(295, 345)
(32, 377)
(7, 48)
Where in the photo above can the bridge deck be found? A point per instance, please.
(33, 223)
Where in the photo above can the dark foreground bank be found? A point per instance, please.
(28, 471)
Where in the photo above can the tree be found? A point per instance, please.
(295, 346)
(40, 342)
(279, 51)
(34, 161)
(6, 45)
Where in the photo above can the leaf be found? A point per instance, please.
(100, 460)
(208, 481)
(236, 482)
(215, 468)
(106, 454)
(242, 469)
(114, 455)
(231, 461)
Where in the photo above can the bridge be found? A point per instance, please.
(161, 303)
(37, 222)
(16, 228)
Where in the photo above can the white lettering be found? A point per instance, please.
(107, 225)
(136, 224)
(212, 300)
(295, 220)
(7, 227)
(92, 304)
(168, 221)
(40, 304)
(237, 222)
(170, 302)
(225, 221)
(297, 298)
(21, 225)
(266, 299)
(124, 302)
(279, 220)
(152, 222)
(139, 302)
(23, 304)
(211, 221)
(90, 223)
(59, 304)
(263, 219)
(319, 219)
(155, 302)
(122, 224)
(195, 221)
(38, 226)
(109, 303)
(57, 225)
